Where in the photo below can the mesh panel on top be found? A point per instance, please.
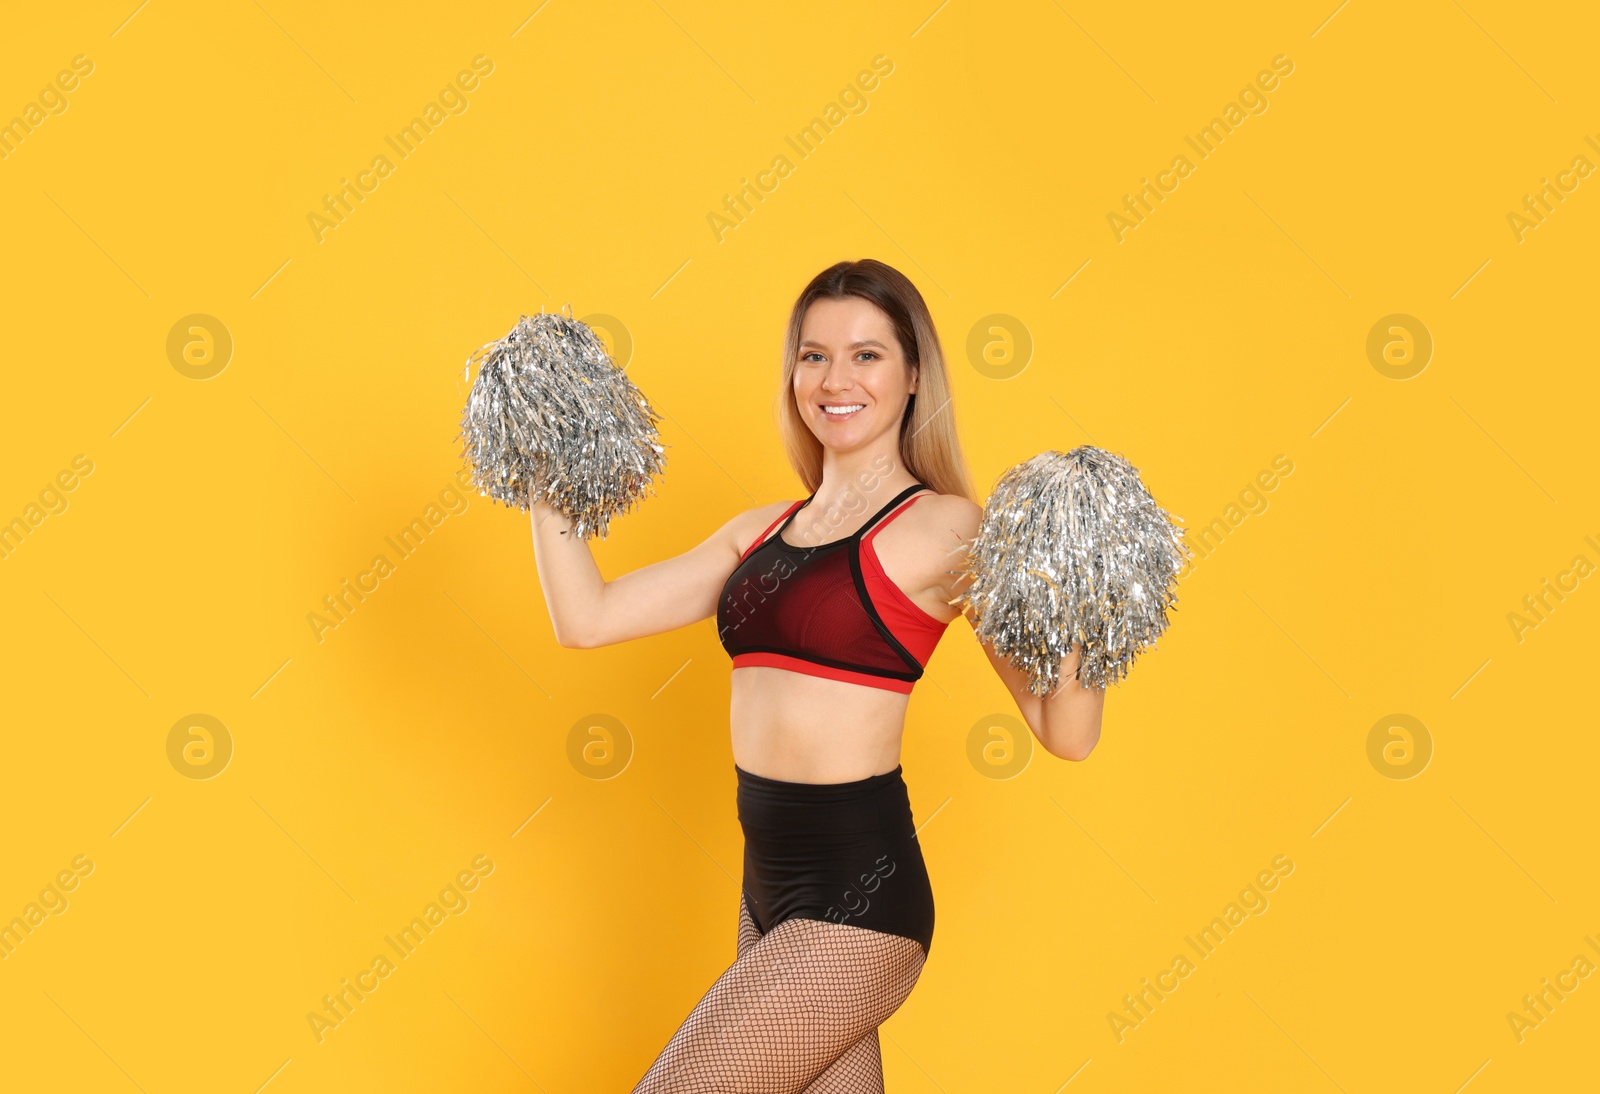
(808, 604)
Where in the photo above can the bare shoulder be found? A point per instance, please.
(745, 527)
(950, 516)
(940, 525)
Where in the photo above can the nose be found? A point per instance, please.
(836, 378)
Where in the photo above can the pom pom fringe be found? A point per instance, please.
(552, 418)
(1072, 550)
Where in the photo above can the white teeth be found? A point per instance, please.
(843, 409)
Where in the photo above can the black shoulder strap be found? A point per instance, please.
(889, 508)
(792, 514)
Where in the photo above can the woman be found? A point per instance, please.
(830, 608)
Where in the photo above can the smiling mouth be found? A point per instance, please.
(841, 413)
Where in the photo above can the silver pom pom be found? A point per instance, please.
(551, 417)
(1072, 550)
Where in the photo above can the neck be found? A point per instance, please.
(855, 485)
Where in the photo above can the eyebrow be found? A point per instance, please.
(852, 345)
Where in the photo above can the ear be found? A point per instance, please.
(916, 374)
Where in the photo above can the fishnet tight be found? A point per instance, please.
(796, 1013)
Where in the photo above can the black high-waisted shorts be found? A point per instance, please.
(842, 852)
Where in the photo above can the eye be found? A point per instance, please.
(871, 353)
(809, 354)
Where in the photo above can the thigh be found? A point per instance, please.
(858, 1071)
(790, 1005)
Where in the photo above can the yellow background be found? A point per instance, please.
(371, 767)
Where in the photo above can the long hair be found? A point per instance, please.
(929, 446)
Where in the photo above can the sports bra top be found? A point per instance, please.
(828, 610)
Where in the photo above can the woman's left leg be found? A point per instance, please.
(798, 999)
(860, 1069)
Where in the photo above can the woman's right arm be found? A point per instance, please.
(587, 611)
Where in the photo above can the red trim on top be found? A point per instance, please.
(762, 537)
(827, 672)
(872, 566)
(870, 552)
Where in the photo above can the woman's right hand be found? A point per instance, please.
(588, 611)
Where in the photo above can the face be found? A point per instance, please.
(849, 358)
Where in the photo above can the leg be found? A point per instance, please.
(796, 1000)
(858, 1071)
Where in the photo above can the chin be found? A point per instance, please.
(825, 429)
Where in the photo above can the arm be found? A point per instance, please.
(1066, 721)
(587, 611)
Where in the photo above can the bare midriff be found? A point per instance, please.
(809, 729)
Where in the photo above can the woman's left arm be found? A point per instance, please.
(1067, 720)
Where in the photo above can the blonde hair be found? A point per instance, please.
(929, 446)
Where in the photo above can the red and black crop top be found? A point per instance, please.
(828, 610)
